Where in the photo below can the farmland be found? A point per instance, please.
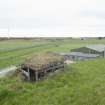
(76, 85)
(16, 52)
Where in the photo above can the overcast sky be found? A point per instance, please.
(52, 17)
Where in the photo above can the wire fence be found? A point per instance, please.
(18, 48)
(23, 53)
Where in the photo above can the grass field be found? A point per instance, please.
(77, 85)
(16, 51)
(82, 83)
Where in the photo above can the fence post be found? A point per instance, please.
(29, 74)
(36, 75)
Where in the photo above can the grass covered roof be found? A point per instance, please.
(41, 60)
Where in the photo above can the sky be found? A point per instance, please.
(50, 18)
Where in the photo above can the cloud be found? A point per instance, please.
(53, 17)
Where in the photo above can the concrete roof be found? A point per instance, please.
(97, 47)
(83, 54)
(79, 54)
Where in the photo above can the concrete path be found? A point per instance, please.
(69, 62)
(7, 71)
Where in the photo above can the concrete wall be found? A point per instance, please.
(78, 58)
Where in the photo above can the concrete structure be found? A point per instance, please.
(8, 71)
(76, 56)
(37, 67)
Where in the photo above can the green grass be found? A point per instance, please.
(16, 56)
(76, 85)
(82, 83)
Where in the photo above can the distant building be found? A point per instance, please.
(85, 53)
(92, 49)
